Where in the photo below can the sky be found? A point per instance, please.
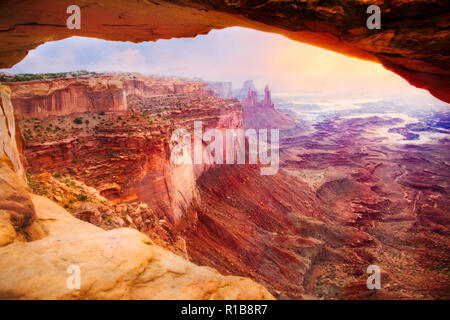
(232, 54)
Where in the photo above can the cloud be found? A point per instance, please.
(232, 54)
(130, 59)
(46, 59)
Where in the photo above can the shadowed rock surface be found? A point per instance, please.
(413, 42)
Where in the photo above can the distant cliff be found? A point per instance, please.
(108, 92)
(246, 86)
(222, 89)
(40, 99)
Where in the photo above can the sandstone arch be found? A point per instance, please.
(413, 41)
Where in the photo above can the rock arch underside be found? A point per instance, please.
(412, 42)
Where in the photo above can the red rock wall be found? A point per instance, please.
(145, 87)
(40, 99)
(140, 169)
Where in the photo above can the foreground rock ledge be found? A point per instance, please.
(414, 40)
(117, 264)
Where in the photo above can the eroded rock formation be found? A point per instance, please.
(16, 208)
(39, 241)
(346, 195)
(413, 40)
(246, 86)
(93, 93)
(123, 154)
(262, 114)
(118, 264)
(344, 198)
(46, 98)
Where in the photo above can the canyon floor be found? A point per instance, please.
(349, 193)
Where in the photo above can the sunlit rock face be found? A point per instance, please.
(16, 209)
(121, 149)
(135, 84)
(135, 267)
(39, 241)
(413, 40)
(93, 93)
(50, 98)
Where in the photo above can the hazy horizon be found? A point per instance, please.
(234, 55)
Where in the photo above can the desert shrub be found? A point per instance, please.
(82, 197)
(78, 121)
(110, 154)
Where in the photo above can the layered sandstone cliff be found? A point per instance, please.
(125, 155)
(94, 93)
(39, 241)
(40, 99)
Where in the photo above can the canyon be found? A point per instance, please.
(40, 240)
(345, 196)
(125, 154)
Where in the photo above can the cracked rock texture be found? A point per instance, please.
(117, 264)
(413, 41)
